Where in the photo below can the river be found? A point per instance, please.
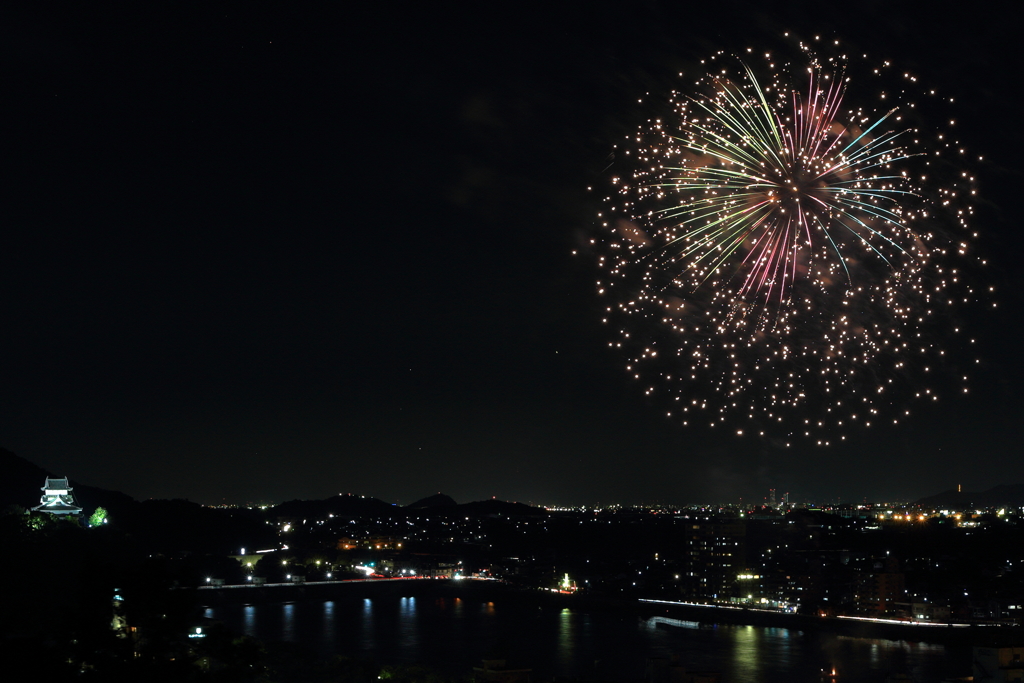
(453, 634)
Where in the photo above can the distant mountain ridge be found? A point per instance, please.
(499, 508)
(339, 505)
(181, 526)
(438, 500)
(20, 482)
(1008, 495)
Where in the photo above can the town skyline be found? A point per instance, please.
(19, 471)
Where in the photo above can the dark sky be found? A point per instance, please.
(263, 253)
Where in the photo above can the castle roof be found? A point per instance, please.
(57, 505)
(52, 483)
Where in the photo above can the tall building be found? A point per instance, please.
(57, 498)
(717, 554)
(882, 591)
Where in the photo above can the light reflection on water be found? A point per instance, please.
(249, 621)
(453, 635)
(566, 644)
(367, 640)
(288, 622)
(747, 655)
(408, 628)
(328, 626)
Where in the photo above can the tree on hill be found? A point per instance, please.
(98, 517)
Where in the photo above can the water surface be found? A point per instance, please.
(454, 634)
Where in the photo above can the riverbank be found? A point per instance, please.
(331, 590)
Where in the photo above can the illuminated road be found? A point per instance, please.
(340, 582)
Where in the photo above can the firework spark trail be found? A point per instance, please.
(783, 250)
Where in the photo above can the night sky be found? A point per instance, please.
(264, 253)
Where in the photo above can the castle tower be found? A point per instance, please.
(57, 498)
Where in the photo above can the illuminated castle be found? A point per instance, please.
(57, 498)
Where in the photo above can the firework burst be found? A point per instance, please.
(775, 255)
